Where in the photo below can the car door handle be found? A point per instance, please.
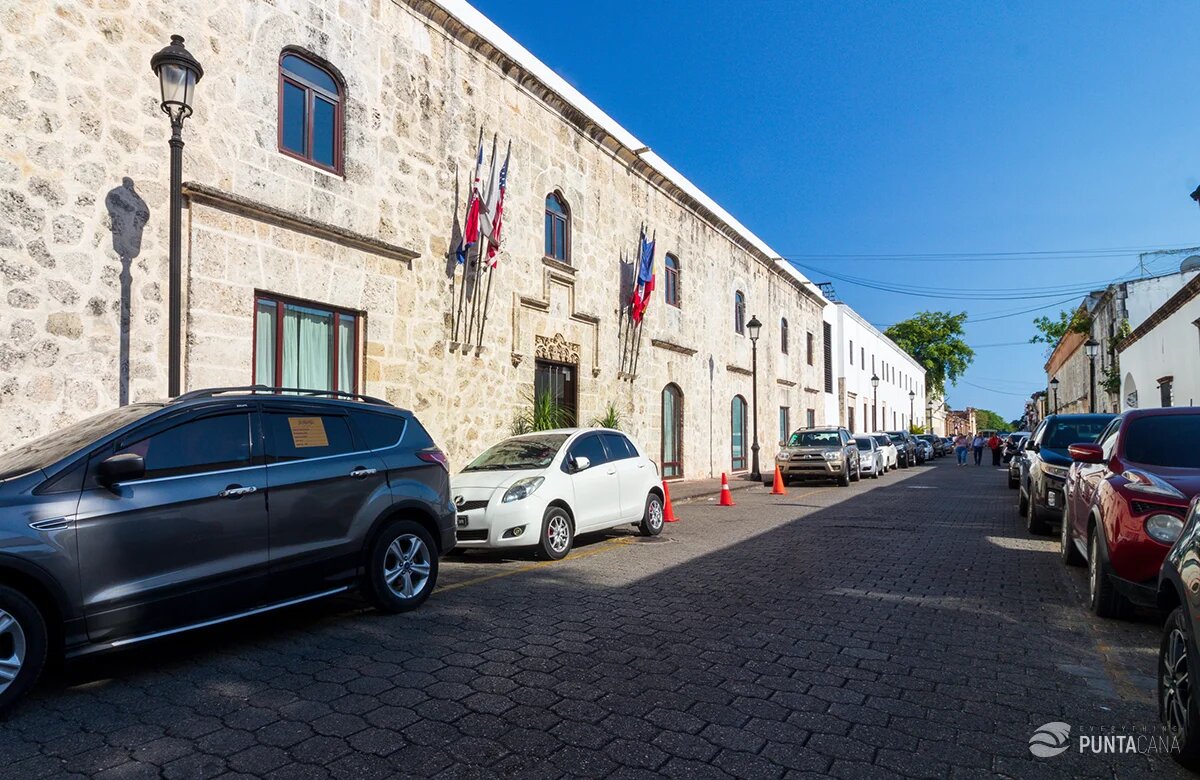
(360, 472)
(234, 491)
(614, 471)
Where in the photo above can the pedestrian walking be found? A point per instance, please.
(960, 449)
(994, 444)
(977, 445)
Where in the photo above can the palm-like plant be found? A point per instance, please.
(611, 418)
(544, 413)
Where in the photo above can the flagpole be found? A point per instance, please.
(627, 361)
(487, 296)
(454, 274)
(479, 254)
(466, 264)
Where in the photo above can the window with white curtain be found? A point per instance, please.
(305, 345)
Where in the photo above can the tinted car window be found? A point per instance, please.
(208, 444)
(883, 441)
(1066, 432)
(591, 448)
(815, 439)
(49, 449)
(863, 442)
(378, 431)
(300, 435)
(1168, 440)
(618, 446)
(523, 452)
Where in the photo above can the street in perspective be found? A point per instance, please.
(375, 403)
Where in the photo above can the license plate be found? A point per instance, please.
(462, 521)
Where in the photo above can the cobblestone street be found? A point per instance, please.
(905, 626)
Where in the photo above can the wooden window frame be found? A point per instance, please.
(280, 301)
(662, 413)
(739, 312)
(671, 286)
(733, 456)
(310, 92)
(783, 335)
(565, 217)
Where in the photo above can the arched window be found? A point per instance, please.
(310, 112)
(783, 335)
(737, 438)
(558, 228)
(672, 432)
(739, 312)
(671, 288)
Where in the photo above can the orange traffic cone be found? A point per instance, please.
(726, 496)
(668, 510)
(777, 486)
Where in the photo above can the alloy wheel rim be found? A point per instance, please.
(12, 649)
(1176, 687)
(558, 533)
(407, 566)
(656, 513)
(1092, 569)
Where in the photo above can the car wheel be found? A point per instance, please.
(1034, 523)
(1022, 504)
(23, 643)
(558, 534)
(1069, 552)
(1103, 598)
(402, 567)
(875, 472)
(857, 475)
(1013, 484)
(1178, 708)
(652, 518)
(844, 478)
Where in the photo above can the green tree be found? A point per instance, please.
(1051, 331)
(987, 420)
(935, 340)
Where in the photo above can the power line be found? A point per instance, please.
(993, 390)
(1080, 254)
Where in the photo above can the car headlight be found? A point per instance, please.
(1055, 471)
(785, 455)
(1164, 528)
(833, 456)
(523, 488)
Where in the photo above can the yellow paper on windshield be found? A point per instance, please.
(308, 432)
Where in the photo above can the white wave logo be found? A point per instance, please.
(1050, 740)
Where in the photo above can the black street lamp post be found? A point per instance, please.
(1092, 348)
(754, 326)
(912, 396)
(874, 402)
(1054, 389)
(178, 73)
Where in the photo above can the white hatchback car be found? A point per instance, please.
(541, 489)
(891, 457)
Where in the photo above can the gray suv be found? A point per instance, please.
(156, 518)
(819, 453)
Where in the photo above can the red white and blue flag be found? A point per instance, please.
(471, 229)
(493, 207)
(644, 284)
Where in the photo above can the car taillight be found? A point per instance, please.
(435, 456)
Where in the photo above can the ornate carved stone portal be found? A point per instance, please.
(557, 349)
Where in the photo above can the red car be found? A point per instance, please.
(1126, 498)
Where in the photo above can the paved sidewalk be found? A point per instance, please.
(687, 490)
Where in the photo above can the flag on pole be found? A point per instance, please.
(644, 284)
(494, 206)
(470, 235)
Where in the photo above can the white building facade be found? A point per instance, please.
(1160, 359)
(861, 352)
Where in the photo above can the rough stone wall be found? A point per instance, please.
(83, 174)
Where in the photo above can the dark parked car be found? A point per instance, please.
(1017, 464)
(1012, 443)
(906, 447)
(939, 447)
(1047, 462)
(1127, 495)
(156, 518)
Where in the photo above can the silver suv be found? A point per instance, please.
(156, 518)
(819, 453)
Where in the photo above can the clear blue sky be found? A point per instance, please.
(889, 129)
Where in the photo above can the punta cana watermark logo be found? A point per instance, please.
(1050, 740)
(1054, 738)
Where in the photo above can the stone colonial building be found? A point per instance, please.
(326, 172)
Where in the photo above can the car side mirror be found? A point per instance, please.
(120, 468)
(1086, 453)
(782, 443)
(582, 463)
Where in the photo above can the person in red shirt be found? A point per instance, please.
(995, 444)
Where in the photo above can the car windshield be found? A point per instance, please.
(1166, 440)
(49, 449)
(1070, 431)
(896, 434)
(883, 441)
(863, 442)
(815, 439)
(523, 452)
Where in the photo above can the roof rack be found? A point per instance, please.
(256, 389)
